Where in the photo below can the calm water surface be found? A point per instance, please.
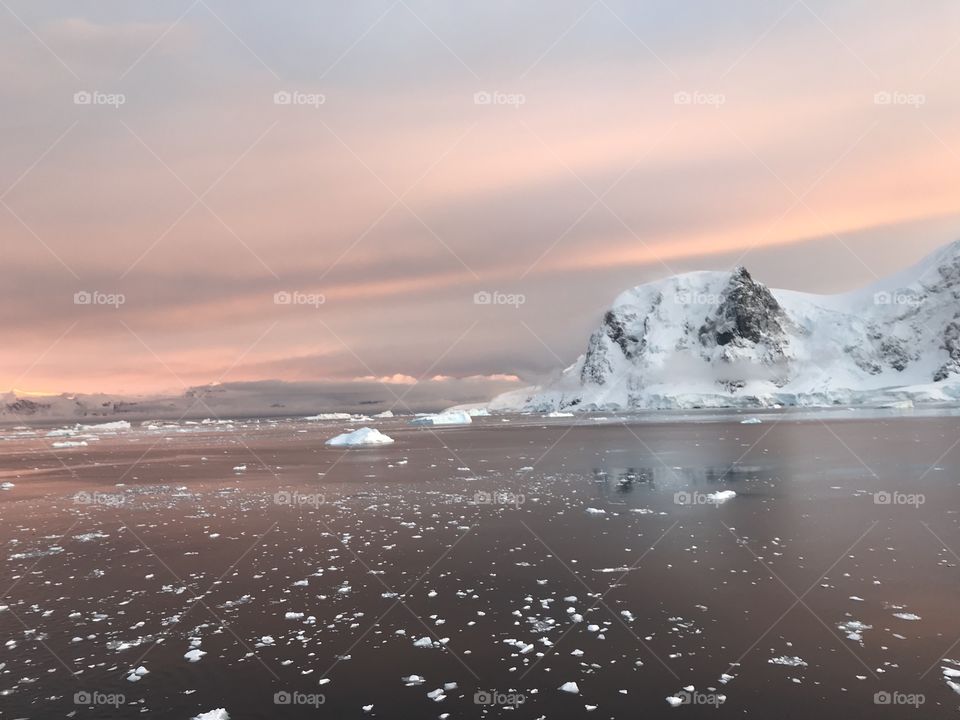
(504, 558)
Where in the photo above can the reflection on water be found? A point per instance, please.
(611, 480)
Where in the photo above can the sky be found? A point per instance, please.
(204, 191)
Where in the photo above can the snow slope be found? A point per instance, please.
(722, 339)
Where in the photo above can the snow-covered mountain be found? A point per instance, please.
(717, 339)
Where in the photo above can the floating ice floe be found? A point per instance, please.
(595, 511)
(359, 438)
(135, 675)
(854, 630)
(751, 421)
(907, 616)
(70, 443)
(194, 655)
(721, 496)
(117, 425)
(558, 414)
(570, 687)
(329, 416)
(449, 417)
(90, 537)
(787, 660)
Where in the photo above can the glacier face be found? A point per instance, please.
(722, 339)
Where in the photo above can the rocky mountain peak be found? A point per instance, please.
(748, 313)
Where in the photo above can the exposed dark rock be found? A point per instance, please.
(23, 406)
(615, 331)
(748, 314)
(894, 354)
(951, 343)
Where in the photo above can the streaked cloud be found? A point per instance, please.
(608, 148)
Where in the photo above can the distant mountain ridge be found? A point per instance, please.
(247, 399)
(723, 339)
